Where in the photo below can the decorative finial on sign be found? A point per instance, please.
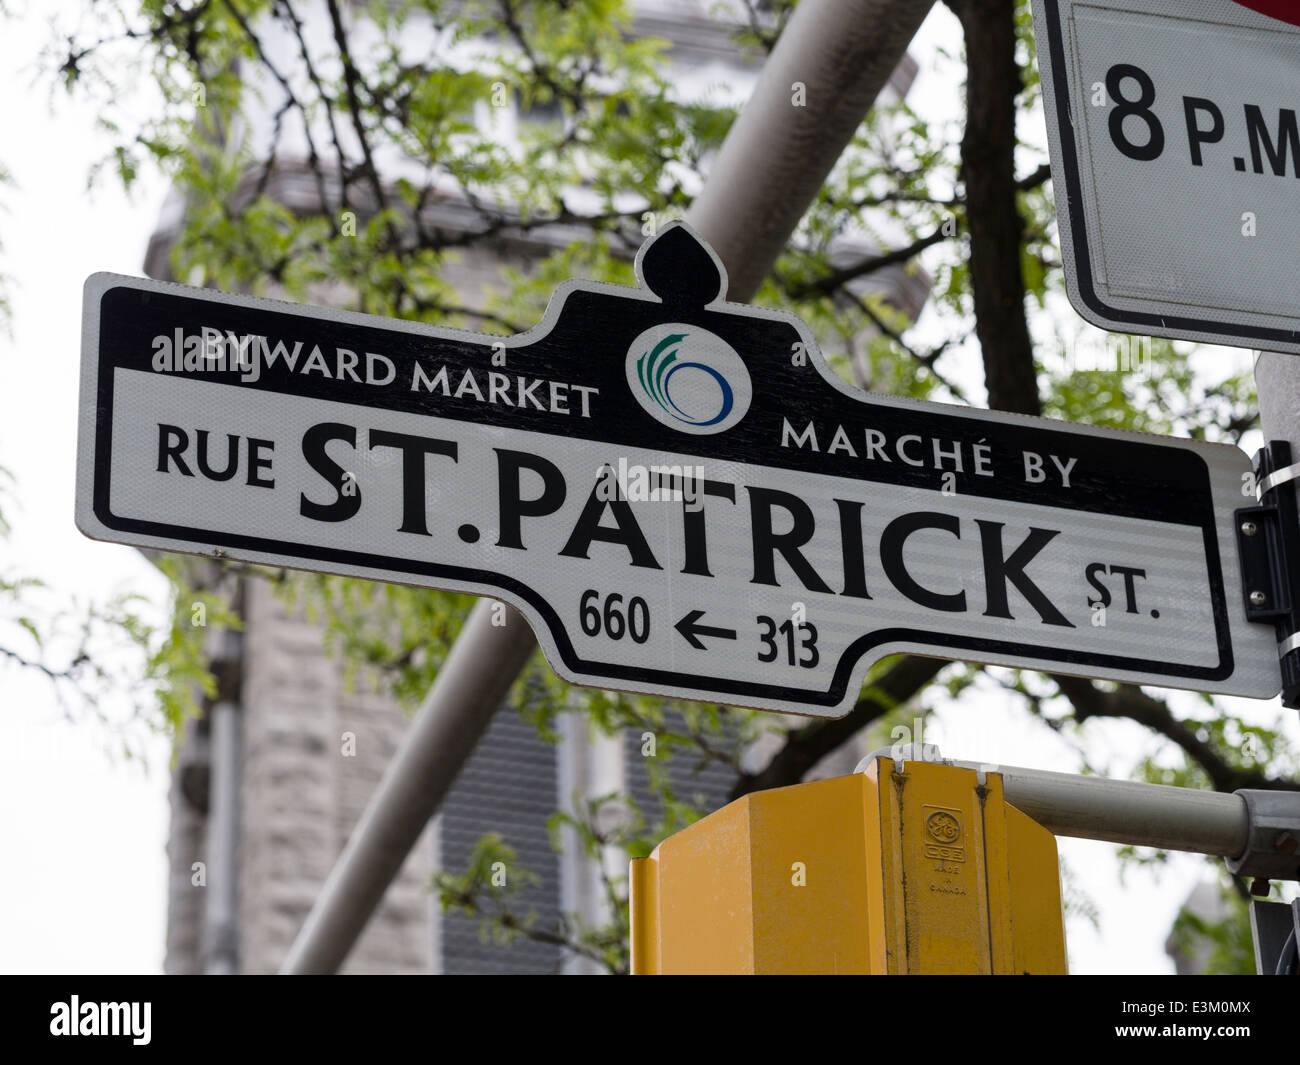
(679, 267)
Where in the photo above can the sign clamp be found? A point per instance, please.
(1268, 545)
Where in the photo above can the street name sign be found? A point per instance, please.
(677, 492)
(1175, 149)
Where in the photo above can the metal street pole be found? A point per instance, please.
(1129, 812)
(776, 157)
(831, 62)
(220, 935)
(221, 914)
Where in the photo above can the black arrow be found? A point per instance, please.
(690, 627)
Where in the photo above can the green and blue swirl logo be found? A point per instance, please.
(688, 378)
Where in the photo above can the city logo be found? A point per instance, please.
(688, 379)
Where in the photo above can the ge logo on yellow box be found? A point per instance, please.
(943, 835)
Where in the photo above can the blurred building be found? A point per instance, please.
(1207, 907)
(299, 790)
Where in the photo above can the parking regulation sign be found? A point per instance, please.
(1175, 149)
(676, 491)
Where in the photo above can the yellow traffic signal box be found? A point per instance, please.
(927, 870)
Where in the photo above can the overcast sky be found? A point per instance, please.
(82, 836)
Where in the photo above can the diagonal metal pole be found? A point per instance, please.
(833, 59)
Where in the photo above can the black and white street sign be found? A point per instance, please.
(1175, 151)
(676, 491)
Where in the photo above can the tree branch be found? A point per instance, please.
(825, 285)
(993, 219)
(807, 746)
(1133, 703)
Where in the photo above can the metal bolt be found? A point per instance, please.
(1249, 528)
(1258, 599)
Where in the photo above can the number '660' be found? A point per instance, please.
(612, 619)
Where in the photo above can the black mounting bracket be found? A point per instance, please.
(1268, 547)
(1275, 926)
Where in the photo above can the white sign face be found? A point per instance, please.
(1175, 152)
(676, 491)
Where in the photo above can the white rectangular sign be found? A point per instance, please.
(676, 491)
(1175, 149)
